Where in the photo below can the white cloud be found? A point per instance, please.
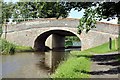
(113, 21)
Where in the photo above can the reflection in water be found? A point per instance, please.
(23, 65)
(31, 65)
(53, 58)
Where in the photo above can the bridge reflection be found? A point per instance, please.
(52, 59)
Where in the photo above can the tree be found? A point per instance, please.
(109, 10)
(40, 10)
(93, 11)
(0, 19)
(26, 10)
(7, 11)
(33, 10)
(99, 11)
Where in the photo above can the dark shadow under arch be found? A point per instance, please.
(39, 43)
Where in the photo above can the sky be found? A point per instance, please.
(75, 14)
(11, 0)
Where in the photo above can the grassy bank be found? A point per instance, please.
(23, 49)
(104, 48)
(74, 66)
(10, 48)
(78, 62)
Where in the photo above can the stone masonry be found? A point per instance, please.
(25, 33)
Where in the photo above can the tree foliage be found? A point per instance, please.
(34, 10)
(93, 11)
(7, 11)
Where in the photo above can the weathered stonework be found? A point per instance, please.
(26, 33)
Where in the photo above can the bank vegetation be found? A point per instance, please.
(79, 62)
(10, 48)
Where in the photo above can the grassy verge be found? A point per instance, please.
(10, 48)
(74, 66)
(23, 49)
(78, 63)
(104, 48)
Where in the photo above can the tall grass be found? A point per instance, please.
(6, 47)
(10, 48)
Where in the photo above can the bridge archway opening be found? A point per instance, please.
(57, 40)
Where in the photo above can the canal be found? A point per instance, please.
(32, 64)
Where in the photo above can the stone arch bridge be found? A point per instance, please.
(34, 33)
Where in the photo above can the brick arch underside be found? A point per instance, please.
(39, 43)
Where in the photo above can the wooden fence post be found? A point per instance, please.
(110, 43)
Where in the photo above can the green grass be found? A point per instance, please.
(10, 48)
(78, 63)
(75, 66)
(23, 48)
(6, 47)
(104, 48)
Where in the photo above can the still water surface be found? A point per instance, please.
(31, 64)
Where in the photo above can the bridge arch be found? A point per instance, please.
(59, 38)
(26, 33)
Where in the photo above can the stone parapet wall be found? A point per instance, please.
(26, 33)
(107, 28)
(41, 23)
(67, 22)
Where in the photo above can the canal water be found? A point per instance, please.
(31, 64)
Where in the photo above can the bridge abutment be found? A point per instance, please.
(55, 41)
